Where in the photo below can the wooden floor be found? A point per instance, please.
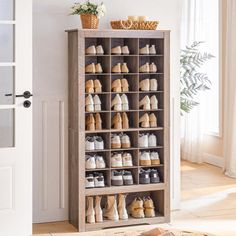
(208, 204)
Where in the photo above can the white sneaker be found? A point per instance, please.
(90, 50)
(127, 159)
(115, 141)
(152, 50)
(125, 50)
(99, 180)
(100, 163)
(97, 103)
(116, 160)
(144, 159)
(143, 140)
(89, 143)
(89, 181)
(153, 68)
(98, 143)
(89, 103)
(152, 140)
(153, 84)
(99, 50)
(144, 50)
(155, 158)
(125, 102)
(117, 103)
(125, 141)
(90, 162)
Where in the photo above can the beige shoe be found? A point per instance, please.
(154, 102)
(153, 68)
(98, 68)
(144, 120)
(149, 208)
(124, 85)
(123, 215)
(117, 121)
(98, 121)
(97, 86)
(125, 121)
(89, 86)
(99, 50)
(144, 68)
(90, 68)
(115, 141)
(124, 68)
(125, 102)
(116, 68)
(97, 103)
(125, 50)
(90, 122)
(116, 50)
(116, 86)
(153, 84)
(110, 212)
(144, 50)
(145, 103)
(117, 103)
(144, 85)
(98, 209)
(153, 120)
(89, 103)
(152, 50)
(135, 209)
(125, 141)
(90, 50)
(90, 214)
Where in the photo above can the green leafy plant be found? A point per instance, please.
(193, 81)
(89, 8)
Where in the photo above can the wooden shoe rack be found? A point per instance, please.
(78, 41)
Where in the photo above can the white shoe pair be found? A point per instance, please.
(120, 103)
(94, 143)
(92, 103)
(148, 85)
(94, 162)
(148, 50)
(94, 180)
(147, 140)
(120, 141)
(120, 50)
(149, 103)
(92, 50)
(121, 160)
(147, 158)
(148, 68)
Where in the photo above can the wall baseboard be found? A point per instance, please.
(213, 160)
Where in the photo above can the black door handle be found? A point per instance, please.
(26, 95)
(27, 104)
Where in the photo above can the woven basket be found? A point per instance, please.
(134, 25)
(89, 21)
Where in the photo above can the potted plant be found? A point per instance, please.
(90, 13)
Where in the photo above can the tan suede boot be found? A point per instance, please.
(116, 86)
(124, 68)
(145, 103)
(90, 122)
(125, 85)
(98, 122)
(90, 214)
(89, 86)
(98, 209)
(98, 68)
(110, 212)
(123, 215)
(116, 68)
(135, 209)
(144, 120)
(97, 86)
(90, 68)
(149, 208)
(117, 121)
(125, 121)
(152, 120)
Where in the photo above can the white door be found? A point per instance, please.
(15, 118)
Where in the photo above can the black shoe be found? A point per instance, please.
(144, 177)
(127, 177)
(154, 176)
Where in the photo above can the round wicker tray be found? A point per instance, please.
(134, 25)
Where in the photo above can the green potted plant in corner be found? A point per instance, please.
(90, 13)
(191, 79)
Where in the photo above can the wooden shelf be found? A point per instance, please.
(159, 192)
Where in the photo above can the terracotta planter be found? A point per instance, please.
(89, 21)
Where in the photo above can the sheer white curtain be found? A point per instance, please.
(200, 23)
(230, 91)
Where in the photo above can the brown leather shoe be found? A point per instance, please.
(98, 121)
(90, 122)
(125, 121)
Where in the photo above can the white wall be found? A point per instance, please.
(50, 89)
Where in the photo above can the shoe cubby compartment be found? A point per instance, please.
(133, 82)
(103, 60)
(131, 61)
(132, 117)
(159, 44)
(132, 44)
(116, 140)
(104, 80)
(105, 42)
